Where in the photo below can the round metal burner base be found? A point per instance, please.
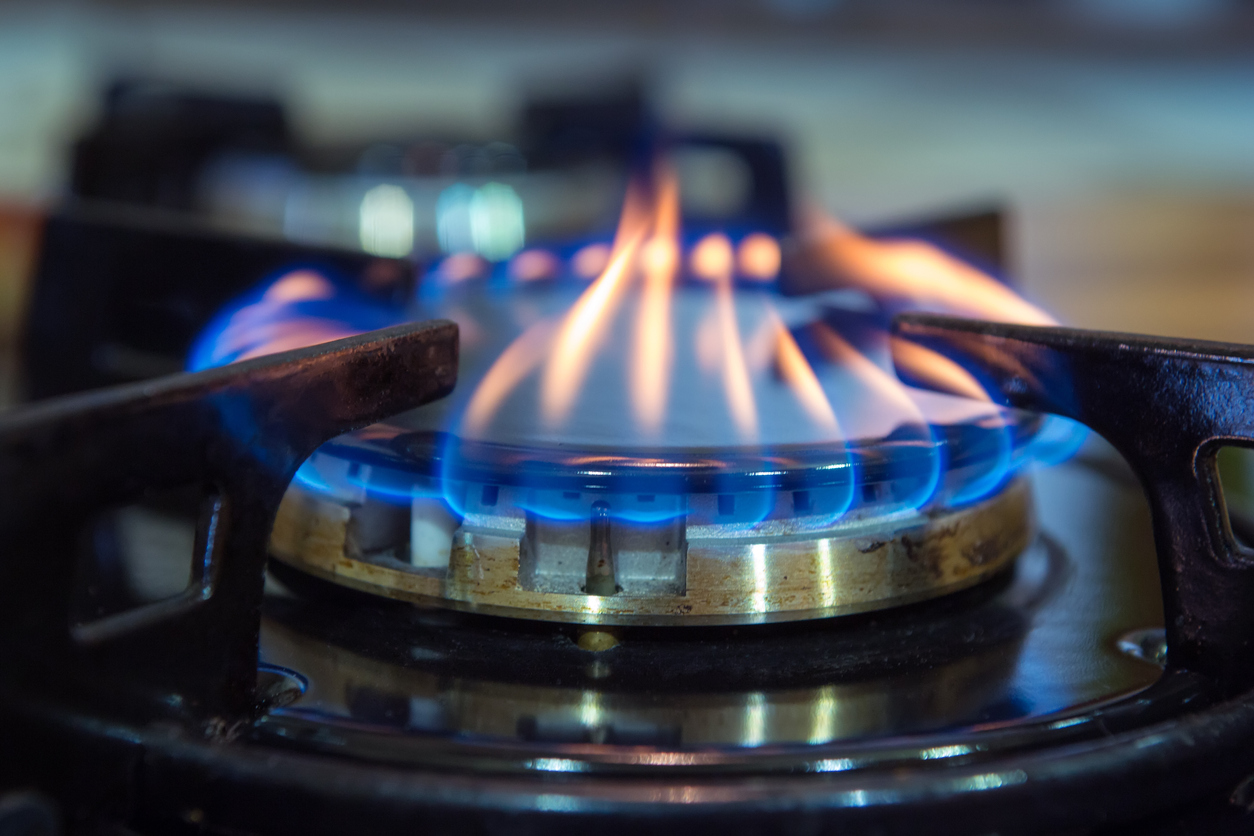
(664, 576)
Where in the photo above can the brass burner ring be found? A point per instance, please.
(857, 566)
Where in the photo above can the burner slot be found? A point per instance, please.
(554, 556)
(377, 527)
(600, 577)
(489, 507)
(431, 528)
(647, 559)
(651, 559)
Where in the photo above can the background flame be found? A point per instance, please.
(903, 274)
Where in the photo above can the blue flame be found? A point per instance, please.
(249, 324)
(1058, 440)
(995, 461)
(394, 487)
(822, 507)
(915, 467)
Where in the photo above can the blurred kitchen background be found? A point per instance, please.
(1116, 135)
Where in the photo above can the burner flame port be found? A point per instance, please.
(600, 556)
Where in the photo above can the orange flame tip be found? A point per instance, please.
(758, 257)
(651, 366)
(515, 363)
(799, 375)
(713, 254)
(533, 265)
(299, 286)
(575, 346)
(711, 258)
(914, 273)
(591, 260)
(936, 370)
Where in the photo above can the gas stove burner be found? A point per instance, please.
(651, 537)
(668, 440)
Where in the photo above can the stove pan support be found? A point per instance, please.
(239, 432)
(1167, 405)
